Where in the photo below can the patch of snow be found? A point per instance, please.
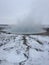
(15, 58)
(14, 51)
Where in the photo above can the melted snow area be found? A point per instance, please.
(24, 49)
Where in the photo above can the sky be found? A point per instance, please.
(24, 11)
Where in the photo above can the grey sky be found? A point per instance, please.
(15, 11)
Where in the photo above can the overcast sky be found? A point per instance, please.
(15, 11)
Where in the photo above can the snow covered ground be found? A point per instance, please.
(24, 50)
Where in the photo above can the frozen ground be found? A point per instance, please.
(24, 50)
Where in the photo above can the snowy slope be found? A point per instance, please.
(24, 50)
